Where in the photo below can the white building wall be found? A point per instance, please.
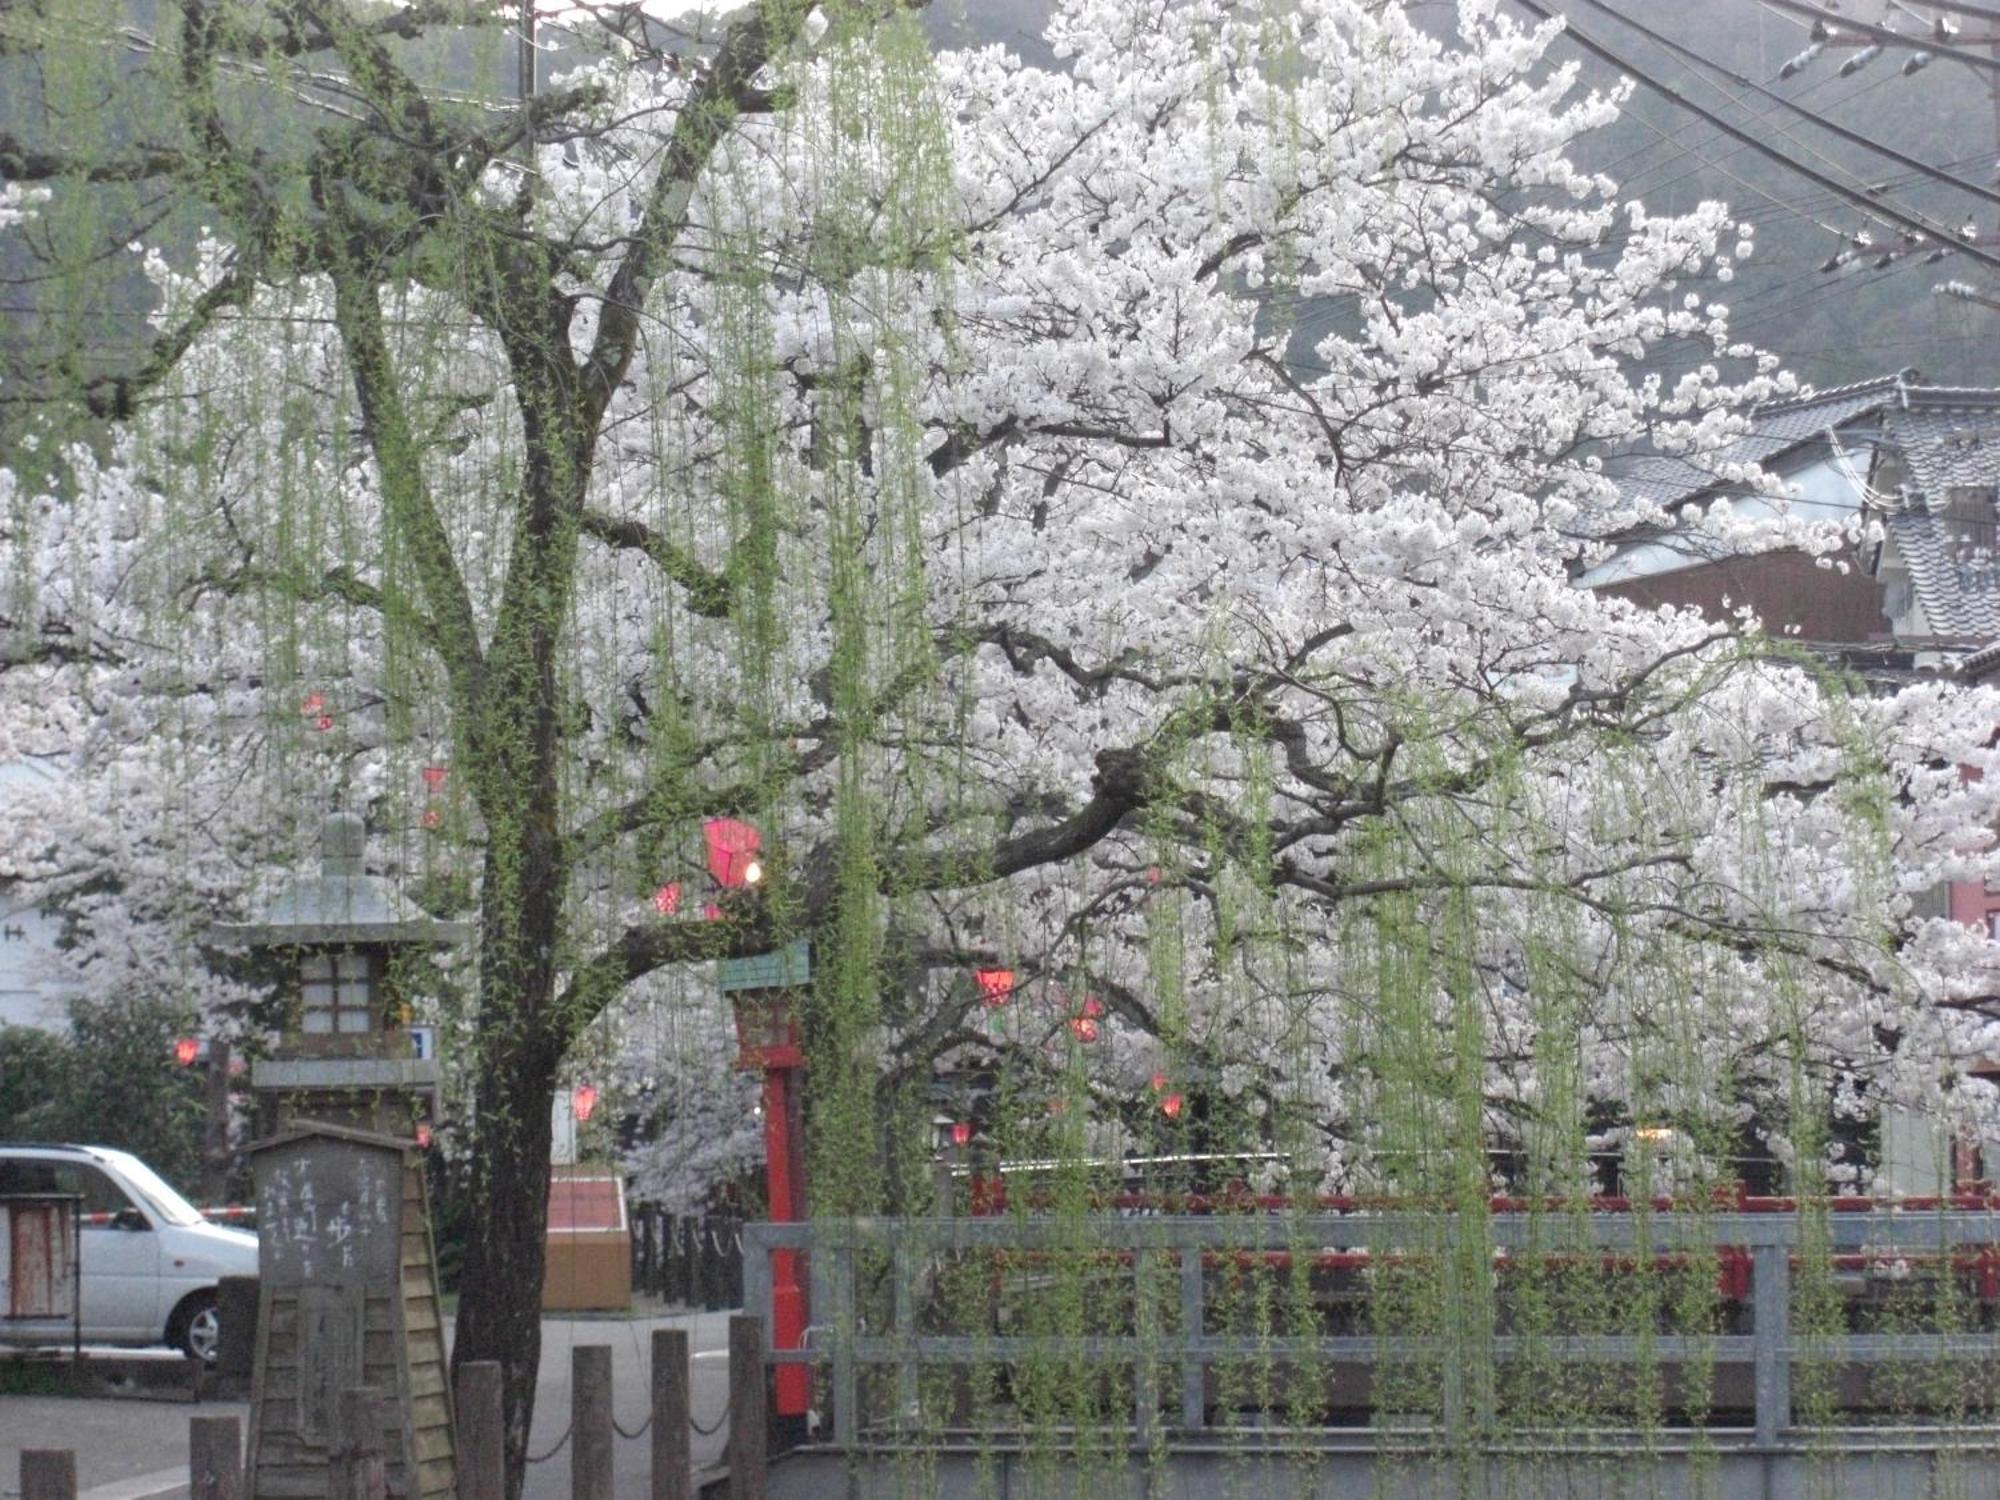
(28, 997)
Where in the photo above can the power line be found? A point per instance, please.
(1854, 137)
(1887, 37)
(1875, 208)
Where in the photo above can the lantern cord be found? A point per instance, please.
(636, 1432)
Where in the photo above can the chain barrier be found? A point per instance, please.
(635, 1435)
(545, 1457)
(721, 1420)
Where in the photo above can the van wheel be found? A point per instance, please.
(196, 1329)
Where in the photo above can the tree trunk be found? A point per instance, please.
(520, 1048)
(500, 1293)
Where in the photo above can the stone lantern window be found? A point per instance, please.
(339, 991)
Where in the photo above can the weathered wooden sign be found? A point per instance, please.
(327, 1211)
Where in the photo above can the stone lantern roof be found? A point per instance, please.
(342, 904)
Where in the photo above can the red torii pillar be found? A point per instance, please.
(765, 991)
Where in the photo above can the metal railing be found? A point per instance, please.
(687, 1260)
(1186, 1246)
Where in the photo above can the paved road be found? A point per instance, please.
(136, 1448)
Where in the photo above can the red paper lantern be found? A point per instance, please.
(961, 1132)
(1092, 1006)
(667, 899)
(732, 852)
(434, 777)
(710, 912)
(1171, 1106)
(314, 703)
(1158, 1081)
(186, 1049)
(995, 985)
(1083, 1028)
(583, 1101)
(433, 818)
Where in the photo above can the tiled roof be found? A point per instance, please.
(1781, 427)
(1959, 586)
(1945, 446)
(1979, 664)
(1947, 439)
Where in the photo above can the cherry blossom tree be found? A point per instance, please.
(918, 455)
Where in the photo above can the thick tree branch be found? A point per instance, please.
(708, 592)
(20, 162)
(115, 396)
(724, 88)
(405, 493)
(601, 978)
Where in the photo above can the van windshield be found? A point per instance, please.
(149, 1185)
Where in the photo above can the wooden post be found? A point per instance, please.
(673, 1457)
(215, 1138)
(482, 1473)
(48, 1474)
(359, 1471)
(215, 1458)
(748, 1453)
(590, 1422)
(236, 1305)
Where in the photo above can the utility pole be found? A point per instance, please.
(524, 86)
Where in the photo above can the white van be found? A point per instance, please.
(150, 1262)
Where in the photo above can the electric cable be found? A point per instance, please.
(1854, 137)
(1887, 213)
(1887, 37)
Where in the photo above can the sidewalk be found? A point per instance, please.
(137, 1449)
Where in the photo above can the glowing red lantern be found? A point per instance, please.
(1158, 1081)
(667, 899)
(583, 1101)
(995, 985)
(314, 703)
(1092, 1006)
(1171, 1106)
(961, 1132)
(433, 818)
(1083, 1028)
(710, 912)
(186, 1049)
(732, 852)
(434, 777)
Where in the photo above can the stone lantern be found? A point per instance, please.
(347, 1292)
(346, 1056)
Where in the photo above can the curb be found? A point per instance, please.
(140, 1486)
